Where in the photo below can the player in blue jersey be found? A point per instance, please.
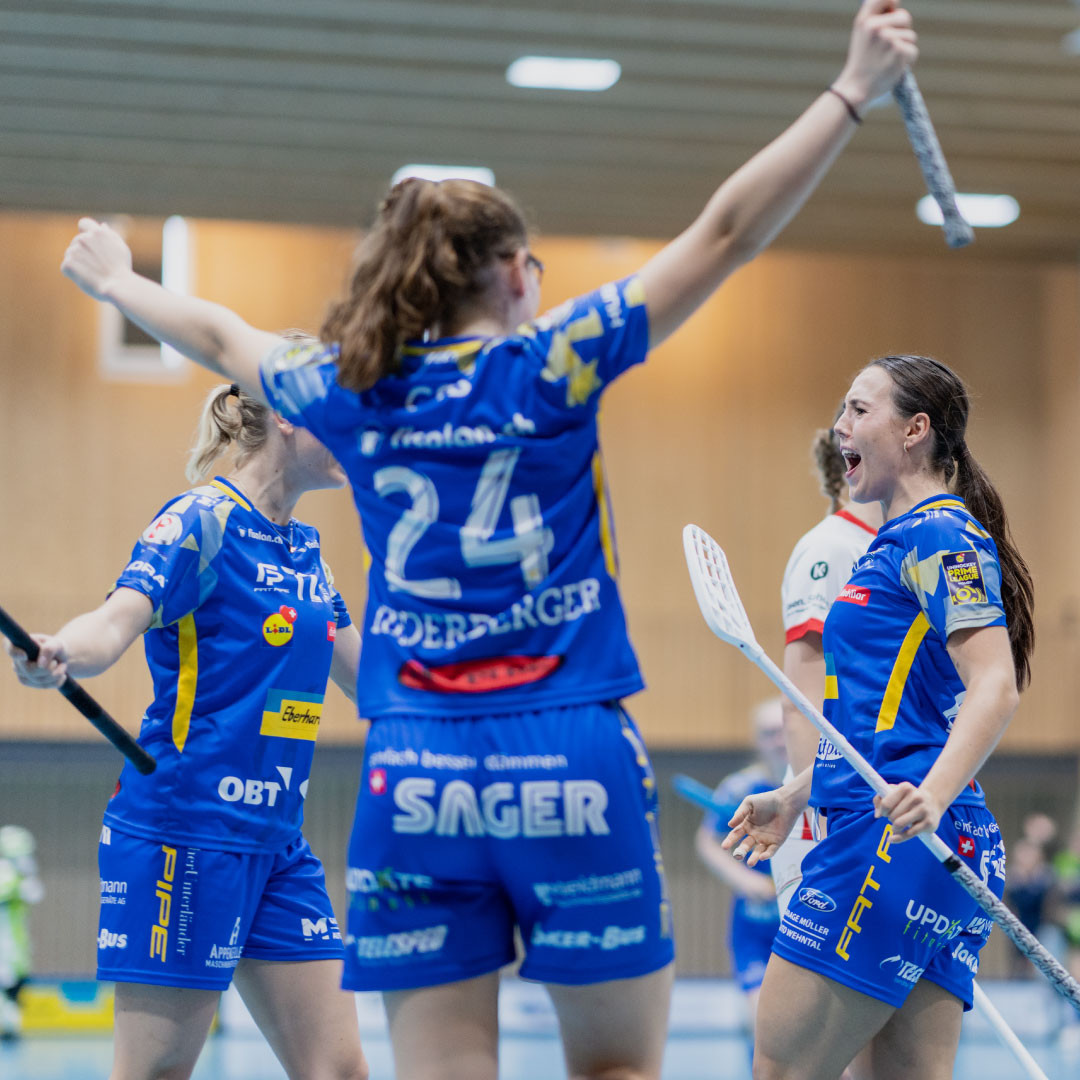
(205, 875)
(755, 916)
(925, 647)
(504, 785)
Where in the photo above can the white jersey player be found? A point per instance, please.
(817, 570)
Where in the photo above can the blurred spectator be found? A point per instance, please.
(19, 887)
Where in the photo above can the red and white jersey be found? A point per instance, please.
(818, 569)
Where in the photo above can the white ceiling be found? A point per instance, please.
(300, 110)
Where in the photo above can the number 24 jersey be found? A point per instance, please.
(477, 475)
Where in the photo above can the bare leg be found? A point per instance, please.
(615, 1030)
(160, 1030)
(308, 1020)
(810, 1027)
(447, 1032)
(921, 1038)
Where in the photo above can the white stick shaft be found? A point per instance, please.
(1006, 1034)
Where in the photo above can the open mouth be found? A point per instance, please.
(851, 459)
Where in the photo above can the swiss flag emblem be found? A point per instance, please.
(377, 781)
(967, 846)
(331, 630)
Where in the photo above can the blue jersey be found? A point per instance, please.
(239, 647)
(890, 684)
(477, 475)
(753, 780)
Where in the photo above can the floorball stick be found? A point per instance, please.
(696, 792)
(82, 701)
(726, 617)
(924, 142)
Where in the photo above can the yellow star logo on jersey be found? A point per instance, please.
(564, 362)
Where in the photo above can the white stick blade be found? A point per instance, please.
(715, 589)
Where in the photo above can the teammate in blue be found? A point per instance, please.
(925, 648)
(205, 875)
(755, 917)
(504, 785)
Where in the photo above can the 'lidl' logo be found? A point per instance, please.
(278, 628)
(289, 714)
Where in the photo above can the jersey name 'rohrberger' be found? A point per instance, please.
(435, 630)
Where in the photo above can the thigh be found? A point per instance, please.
(160, 1030)
(425, 906)
(809, 1027)
(448, 1032)
(577, 847)
(920, 1038)
(305, 1016)
(615, 1028)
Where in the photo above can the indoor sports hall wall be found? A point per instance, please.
(715, 429)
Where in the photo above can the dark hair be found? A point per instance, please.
(830, 465)
(923, 385)
(430, 251)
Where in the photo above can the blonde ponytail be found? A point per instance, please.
(221, 425)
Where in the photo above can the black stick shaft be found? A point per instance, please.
(82, 701)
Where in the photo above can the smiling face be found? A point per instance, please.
(871, 436)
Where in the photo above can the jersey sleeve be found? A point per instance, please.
(952, 569)
(586, 343)
(812, 580)
(298, 379)
(172, 561)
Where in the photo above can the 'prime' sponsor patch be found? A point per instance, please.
(963, 576)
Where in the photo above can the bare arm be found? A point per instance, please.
(739, 878)
(756, 202)
(804, 665)
(89, 644)
(984, 663)
(99, 262)
(346, 661)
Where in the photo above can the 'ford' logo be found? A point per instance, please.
(819, 901)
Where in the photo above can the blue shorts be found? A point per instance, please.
(468, 827)
(753, 927)
(878, 916)
(183, 916)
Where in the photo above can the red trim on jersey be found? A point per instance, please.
(810, 626)
(477, 676)
(847, 516)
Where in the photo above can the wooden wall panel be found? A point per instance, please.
(714, 429)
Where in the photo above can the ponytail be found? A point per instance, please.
(429, 253)
(829, 463)
(221, 426)
(1017, 590)
(923, 385)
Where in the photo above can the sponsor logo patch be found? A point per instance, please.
(165, 529)
(277, 630)
(819, 901)
(854, 594)
(290, 714)
(818, 571)
(967, 847)
(964, 578)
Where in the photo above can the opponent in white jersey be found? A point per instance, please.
(817, 570)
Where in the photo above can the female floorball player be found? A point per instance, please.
(503, 783)
(754, 917)
(205, 876)
(925, 647)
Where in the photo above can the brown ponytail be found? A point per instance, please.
(829, 463)
(923, 385)
(429, 252)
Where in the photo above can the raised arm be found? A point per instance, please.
(757, 201)
(99, 262)
(88, 645)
